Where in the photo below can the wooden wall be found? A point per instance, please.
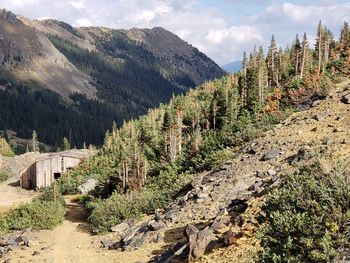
(42, 172)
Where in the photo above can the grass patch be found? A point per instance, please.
(3, 177)
(45, 212)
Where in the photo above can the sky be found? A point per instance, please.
(222, 29)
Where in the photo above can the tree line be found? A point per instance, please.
(191, 128)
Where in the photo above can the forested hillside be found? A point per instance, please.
(157, 153)
(75, 82)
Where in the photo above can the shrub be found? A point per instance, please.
(42, 213)
(3, 177)
(307, 216)
(105, 214)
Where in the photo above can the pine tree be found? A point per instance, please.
(318, 46)
(344, 40)
(65, 144)
(271, 63)
(296, 55)
(305, 55)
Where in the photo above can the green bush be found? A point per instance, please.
(105, 214)
(307, 216)
(42, 213)
(3, 177)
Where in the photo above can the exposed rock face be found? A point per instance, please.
(8, 16)
(199, 243)
(28, 56)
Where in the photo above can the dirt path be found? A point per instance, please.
(72, 242)
(11, 195)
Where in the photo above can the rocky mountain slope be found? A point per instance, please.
(27, 55)
(118, 74)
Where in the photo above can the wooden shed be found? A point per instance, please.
(50, 167)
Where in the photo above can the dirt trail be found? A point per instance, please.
(72, 242)
(11, 195)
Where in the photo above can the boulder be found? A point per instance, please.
(156, 225)
(233, 235)
(87, 187)
(190, 230)
(271, 155)
(346, 99)
(238, 206)
(120, 229)
(199, 243)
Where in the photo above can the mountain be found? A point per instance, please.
(76, 82)
(233, 67)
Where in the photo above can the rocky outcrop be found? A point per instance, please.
(8, 16)
(87, 187)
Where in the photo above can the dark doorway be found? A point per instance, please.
(57, 176)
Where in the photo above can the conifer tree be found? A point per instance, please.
(65, 144)
(318, 46)
(271, 63)
(305, 62)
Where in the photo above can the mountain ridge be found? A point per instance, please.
(104, 69)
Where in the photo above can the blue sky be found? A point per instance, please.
(222, 29)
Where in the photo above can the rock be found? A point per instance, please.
(156, 226)
(199, 243)
(178, 251)
(271, 155)
(22, 240)
(159, 238)
(251, 148)
(190, 230)
(108, 243)
(346, 99)
(319, 117)
(221, 224)
(87, 187)
(120, 229)
(255, 186)
(136, 242)
(202, 196)
(233, 235)
(7, 15)
(271, 172)
(315, 103)
(36, 253)
(170, 215)
(302, 155)
(238, 206)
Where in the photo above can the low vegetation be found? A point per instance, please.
(3, 177)
(45, 212)
(5, 149)
(307, 218)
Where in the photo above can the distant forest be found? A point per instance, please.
(81, 120)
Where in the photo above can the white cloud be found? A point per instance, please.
(206, 27)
